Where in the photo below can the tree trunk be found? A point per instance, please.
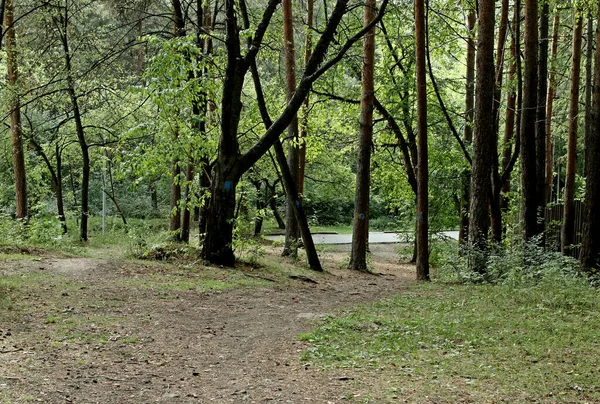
(568, 227)
(303, 134)
(230, 163)
(590, 245)
(549, 107)
(292, 231)
(175, 217)
(187, 212)
(481, 184)
(423, 158)
(529, 216)
(588, 92)
(540, 129)
(16, 130)
(495, 209)
(360, 231)
(81, 139)
(60, 207)
(273, 205)
(511, 104)
(463, 236)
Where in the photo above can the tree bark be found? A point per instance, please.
(540, 129)
(303, 134)
(590, 245)
(360, 231)
(292, 231)
(549, 108)
(529, 199)
(568, 227)
(511, 118)
(16, 129)
(589, 54)
(481, 184)
(495, 203)
(463, 236)
(423, 157)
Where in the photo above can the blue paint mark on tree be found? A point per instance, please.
(228, 185)
(297, 203)
(421, 218)
(362, 216)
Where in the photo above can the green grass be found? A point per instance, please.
(185, 282)
(441, 343)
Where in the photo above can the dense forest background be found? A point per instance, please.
(453, 115)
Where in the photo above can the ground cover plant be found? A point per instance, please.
(525, 338)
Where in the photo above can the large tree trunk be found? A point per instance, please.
(463, 235)
(292, 231)
(529, 197)
(360, 231)
(590, 245)
(16, 130)
(423, 157)
(568, 227)
(540, 129)
(549, 107)
(483, 137)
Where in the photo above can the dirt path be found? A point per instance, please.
(92, 337)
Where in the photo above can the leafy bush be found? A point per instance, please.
(518, 264)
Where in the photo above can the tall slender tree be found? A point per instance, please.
(483, 137)
(463, 235)
(590, 245)
(292, 231)
(423, 157)
(16, 130)
(360, 232)
(549, 108)
(529, 214)
(568, 227)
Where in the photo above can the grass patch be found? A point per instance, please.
(442, 343)
(188, 282)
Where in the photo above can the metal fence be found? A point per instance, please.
(554, 218)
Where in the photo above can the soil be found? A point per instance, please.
(139, 345)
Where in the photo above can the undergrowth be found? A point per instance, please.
(527, 332)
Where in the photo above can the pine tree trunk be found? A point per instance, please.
(568, 227)
(549, 107)
(16, 130)
(540, 129)
(590, 245)
(292, 230)
(529, 199)
(463, 236)
(360, 232)
(589, 54)
(481, 184)
(423, 157)
(303, 134)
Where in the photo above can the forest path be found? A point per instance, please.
(93, 335)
